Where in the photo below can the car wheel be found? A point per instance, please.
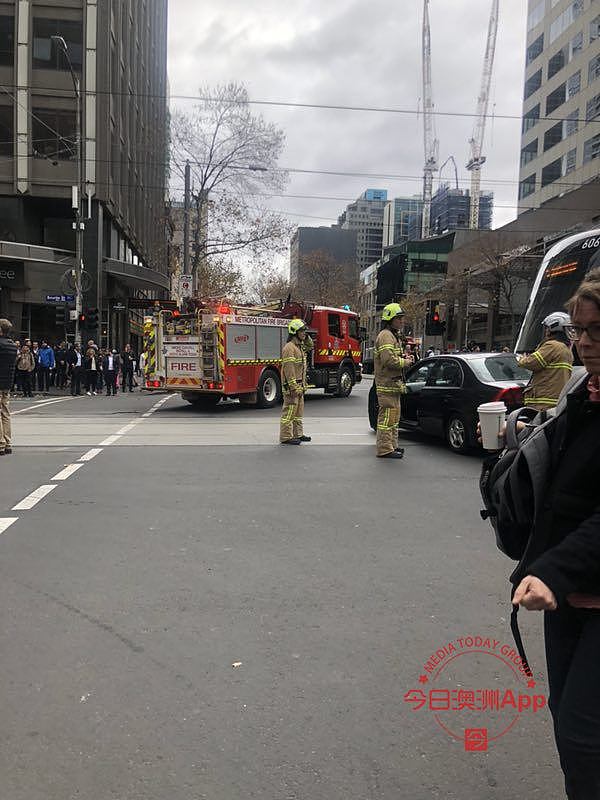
(345, 382)
(268, 390)
(373, 407)
(457, 434)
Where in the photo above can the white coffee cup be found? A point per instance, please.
(492, 417)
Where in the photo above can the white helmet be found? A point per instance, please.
(556, 321)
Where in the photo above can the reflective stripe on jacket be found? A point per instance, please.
(389, 363)
(293, 367)
(552, 366)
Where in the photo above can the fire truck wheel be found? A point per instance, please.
(345, 381)
(268, 390)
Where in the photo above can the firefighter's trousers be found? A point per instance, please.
(387, 422)
(291, 416)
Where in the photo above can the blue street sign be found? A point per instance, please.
(60, 298)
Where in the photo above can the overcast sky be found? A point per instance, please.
(359, 53)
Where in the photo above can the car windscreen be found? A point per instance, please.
(498, 368)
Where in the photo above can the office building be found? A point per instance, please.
(560, 140)
(451, 210)
(118, 51)
(402, 220)
(338, 244)
(365, 217)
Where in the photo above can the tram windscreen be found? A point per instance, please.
(562, 275)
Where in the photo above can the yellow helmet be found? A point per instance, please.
(390, 311)
(295, 326)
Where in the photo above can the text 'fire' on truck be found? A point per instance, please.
(224, 351)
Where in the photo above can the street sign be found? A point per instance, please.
(60, 298)
(185, 285)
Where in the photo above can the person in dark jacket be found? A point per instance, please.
(560, 572)
(60, 357)
(8, 358)
(111, 364)
(128, 360)
(75, 362)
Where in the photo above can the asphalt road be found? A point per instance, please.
(195, 612)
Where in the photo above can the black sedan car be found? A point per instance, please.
(443, 392)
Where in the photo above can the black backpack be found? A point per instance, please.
(512, 482)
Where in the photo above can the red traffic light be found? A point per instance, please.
(82, 318)
(436, 317)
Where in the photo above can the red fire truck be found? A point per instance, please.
(222, 350)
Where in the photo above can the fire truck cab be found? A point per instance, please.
(225, 351)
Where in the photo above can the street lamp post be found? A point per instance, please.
(78, 224)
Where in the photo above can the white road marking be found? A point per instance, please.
(91, 454)
(41, 404)
(6, 522)
(110, 440)
(34, 498)
(127, 428)
(66, 472)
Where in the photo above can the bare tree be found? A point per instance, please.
(233, 157)
(268, 285)
(326, 282)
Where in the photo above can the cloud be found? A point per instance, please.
(359, 54)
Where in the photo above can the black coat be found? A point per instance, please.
(72, 357)
(116, 363)
(8, 359)
(565, 549)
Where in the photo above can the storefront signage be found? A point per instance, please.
(12, 274)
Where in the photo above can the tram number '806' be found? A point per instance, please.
(591, 243)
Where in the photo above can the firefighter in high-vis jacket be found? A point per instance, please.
(551, 364)
(390, 362)
(293, 373)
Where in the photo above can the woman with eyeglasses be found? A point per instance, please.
(560, 573)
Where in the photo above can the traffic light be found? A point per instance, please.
(82, 319)
(92, 318)
(433, 323)
(61, 316)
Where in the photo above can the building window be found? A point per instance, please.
(535, 49)
(536, 15)
(556, 99)
(529, 152)
(552, 172)
(571, 161)
(595, 29)
(7, 40)
(591, 149)
(557, 62)
(6, 131)
(533, 84)
(531, 119)
(576, 44)
(594, 69)
(527, 187)
(592, 109)
(47, 54)
(553, 136)
(566, 19)
(572, 123)
(53, 133)
(574, 84)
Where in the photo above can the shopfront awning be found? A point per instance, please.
(135, 276)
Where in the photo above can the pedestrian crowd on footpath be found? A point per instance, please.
(88, 369)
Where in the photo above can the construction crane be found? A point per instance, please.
(431, 143)
(477, 160)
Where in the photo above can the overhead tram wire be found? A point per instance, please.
(292, 104)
